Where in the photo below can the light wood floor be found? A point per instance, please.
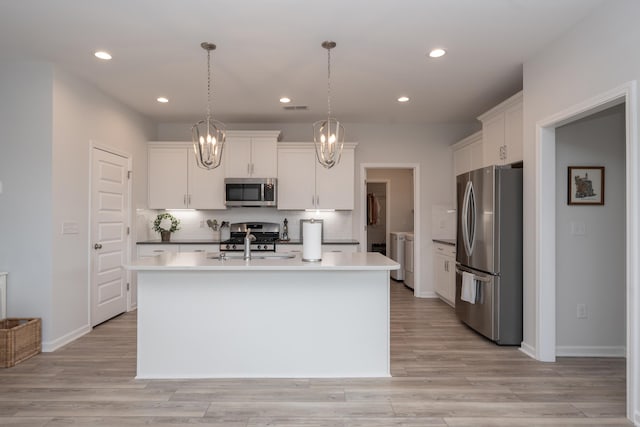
(443, 375)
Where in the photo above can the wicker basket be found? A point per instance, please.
(20, 339)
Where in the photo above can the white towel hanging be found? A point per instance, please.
(469, 288)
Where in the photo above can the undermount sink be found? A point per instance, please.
(222, 256)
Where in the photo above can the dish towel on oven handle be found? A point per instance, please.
(469, 288)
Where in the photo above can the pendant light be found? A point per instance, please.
(328, 135)
(208, 135)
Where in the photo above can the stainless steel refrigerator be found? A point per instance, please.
(489, 247)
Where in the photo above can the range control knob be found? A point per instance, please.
(233, 247)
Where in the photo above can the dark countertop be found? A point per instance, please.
(451, 242)
(217, 242)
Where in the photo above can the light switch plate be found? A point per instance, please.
(70, 228)
(578, 228)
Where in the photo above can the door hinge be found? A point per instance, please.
(128, 287)
(129, 173)
(128, 231)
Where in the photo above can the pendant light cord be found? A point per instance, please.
(208, 85)
(328, 83)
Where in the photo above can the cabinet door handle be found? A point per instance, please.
(313, 200)
(97, 246)
(189, 198)
(317, 201)
(248, 168)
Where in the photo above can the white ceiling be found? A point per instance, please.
(271, 48)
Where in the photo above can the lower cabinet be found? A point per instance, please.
(325, 248)
(444, 271)
(145, 251)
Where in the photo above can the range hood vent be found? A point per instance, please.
(296, 107)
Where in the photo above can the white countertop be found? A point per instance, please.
(201, 261)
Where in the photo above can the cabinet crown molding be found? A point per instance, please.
(475, 137)
(507, 103)
(309, 144)
(253, 134)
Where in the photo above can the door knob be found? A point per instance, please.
(97, 246)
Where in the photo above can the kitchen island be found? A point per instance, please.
(201, 316)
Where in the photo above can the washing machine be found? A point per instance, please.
(408, 260)
(397, 254)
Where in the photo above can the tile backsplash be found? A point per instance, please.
(193, 223)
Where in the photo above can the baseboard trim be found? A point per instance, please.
(528, 350)
(50, 346)
(429, 294)
(590, 351)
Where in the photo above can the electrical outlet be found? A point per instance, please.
(581, 311)
(202, 224)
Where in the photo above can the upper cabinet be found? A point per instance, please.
(251, 154)
(502, 132)
(305, 184)
(467, 154)
(176, 182)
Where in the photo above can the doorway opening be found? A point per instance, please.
(400, 183)
(378, 215)
(545, 270)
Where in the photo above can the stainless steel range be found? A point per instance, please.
(266, 234)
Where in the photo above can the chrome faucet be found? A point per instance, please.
(248, 238)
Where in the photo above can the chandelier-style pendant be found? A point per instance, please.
(208, 135)
(328, 135)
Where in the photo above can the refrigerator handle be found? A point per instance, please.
(464, 218)
(472, 208)
(475, 277)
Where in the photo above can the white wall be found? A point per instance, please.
(596, 56)
(47, 120)
(424, 145)
(590, 268)
(82, 114)
(26, 199)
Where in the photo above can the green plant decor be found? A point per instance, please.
(166, 222)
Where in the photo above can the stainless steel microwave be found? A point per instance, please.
(250, 191)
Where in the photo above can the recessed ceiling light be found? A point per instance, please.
(403, 99)
(285, 100)
(103, 55)
(163, 100)
(437, 53)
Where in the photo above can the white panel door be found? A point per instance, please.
(109, 222)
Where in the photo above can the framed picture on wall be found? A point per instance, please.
(586, 185)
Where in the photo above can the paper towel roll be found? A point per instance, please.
(311, 241)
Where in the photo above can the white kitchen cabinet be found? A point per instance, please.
(340, 248)
(176, 182)
(468, 154)
(157, 249)
(145, 251)
(502, 132)
(444, 270)
(200, 248)
(251, 154)
(305, 184)
(325, 248)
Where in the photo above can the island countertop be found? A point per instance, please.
(202, 261)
